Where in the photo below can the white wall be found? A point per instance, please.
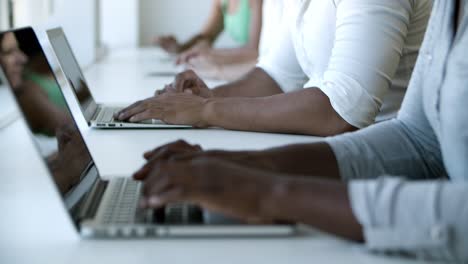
(78, 19)
(119, 23)
(31, 12)
(183, 18)
(3, 15)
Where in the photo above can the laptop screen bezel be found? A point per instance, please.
(90, 107)
(90, 173)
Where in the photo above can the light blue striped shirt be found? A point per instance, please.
(409, 176)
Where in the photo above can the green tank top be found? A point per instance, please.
(50, 86)
(237, 25)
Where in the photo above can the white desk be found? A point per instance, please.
(34, 227)
(123, 78)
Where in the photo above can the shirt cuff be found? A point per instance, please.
(390, 228)
(350, 100)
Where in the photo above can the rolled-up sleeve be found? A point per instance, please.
(425, 219)
(404, 146)
(369, 41)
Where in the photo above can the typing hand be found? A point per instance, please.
(182, 150)
(187, 82)
(172, 108)
(213, 184)
(167, 43)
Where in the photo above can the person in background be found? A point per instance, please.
(400, 185)
(272, 13)
(242, 20)
(334, 67)
(12, 59)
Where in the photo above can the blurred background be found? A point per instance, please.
(95, 26)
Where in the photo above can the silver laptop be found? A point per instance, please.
(97, 115)
(99, 208)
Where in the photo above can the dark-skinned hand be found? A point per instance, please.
(188, 82)
(212, 183)
(172, 108)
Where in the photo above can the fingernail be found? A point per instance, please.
(132, 119)
(121, 116)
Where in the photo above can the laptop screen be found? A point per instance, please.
(73, 72)
(41, 101)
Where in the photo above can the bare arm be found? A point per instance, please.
(320, 203)
(267, 195)
(254, 84)
(307, 111)
(249, 51)
(211, 30)
(293, 160)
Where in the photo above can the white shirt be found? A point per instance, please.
(272, 15)
(422, 210)
(358, 52)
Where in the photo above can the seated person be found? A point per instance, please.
(400, 185)
(204, 66)
(329, 71)
(242, 20)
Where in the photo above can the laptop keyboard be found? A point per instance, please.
(120, 202)
(119, 205)
(106, 114)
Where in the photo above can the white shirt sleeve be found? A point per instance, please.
(369, 41)
(426, 219)
(281, 63)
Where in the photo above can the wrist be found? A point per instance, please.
(207, 111)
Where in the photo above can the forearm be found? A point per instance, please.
(319, 203)
(255, 84)
(304, 112)
(293, 160)
(212, 28)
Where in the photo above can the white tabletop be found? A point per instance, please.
(123, 78)
(35, 228)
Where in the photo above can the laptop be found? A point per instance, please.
(101, 209)
(97, 115)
